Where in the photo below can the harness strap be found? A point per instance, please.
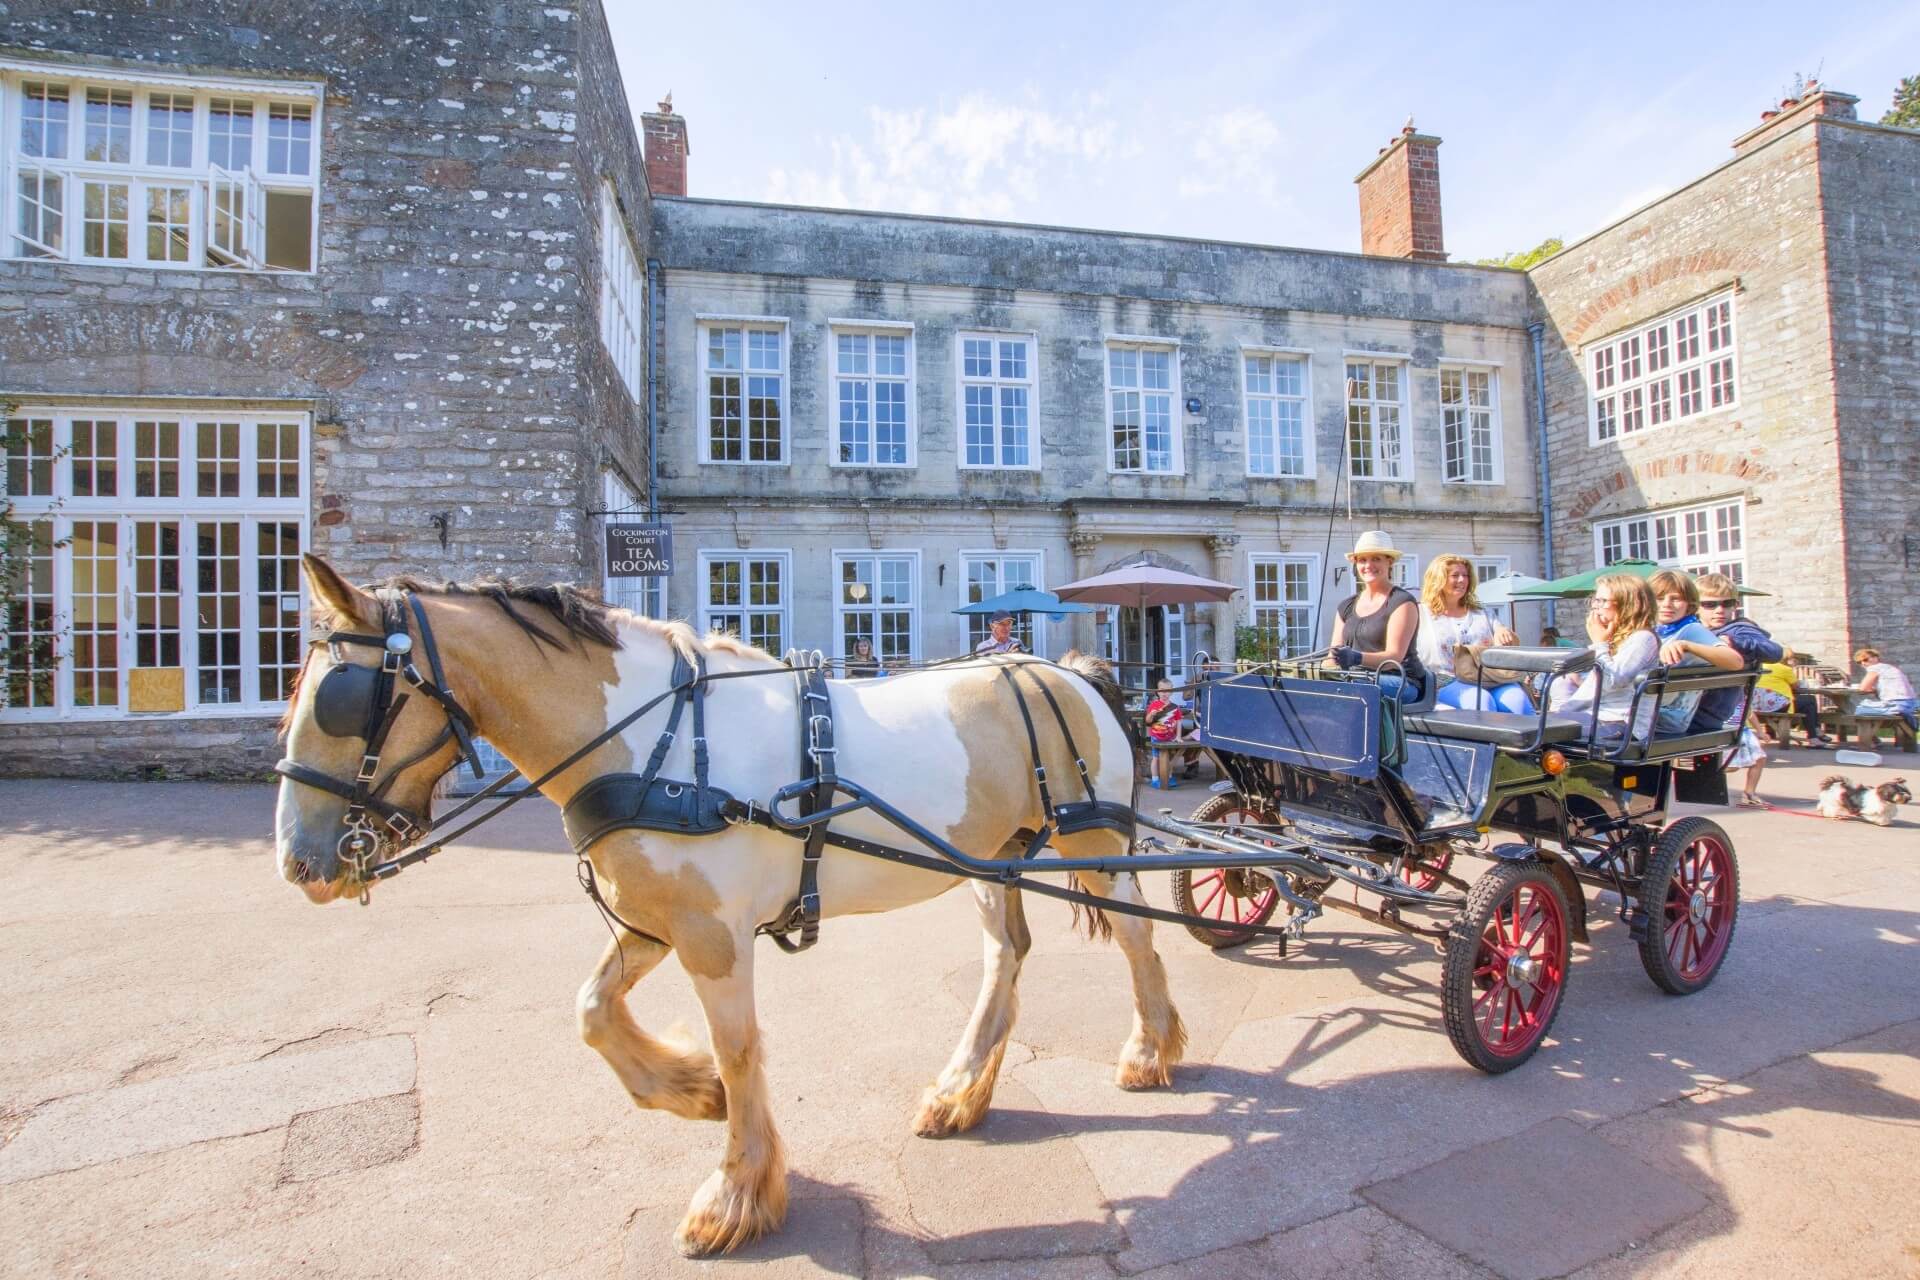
(1033, 743)
(817, 765)
(1066, 734)
(459, 724)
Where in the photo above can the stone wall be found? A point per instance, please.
(441, 337)
(151, 749)
(1753, 225)
(1870, 177)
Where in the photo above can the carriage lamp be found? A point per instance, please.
(1553, 762)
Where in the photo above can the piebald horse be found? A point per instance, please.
(543, 670)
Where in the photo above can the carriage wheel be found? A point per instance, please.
(1428, 875)
(1690, 895)
(1506, 966)
(1231, 899)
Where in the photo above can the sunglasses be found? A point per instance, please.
(1718, 604)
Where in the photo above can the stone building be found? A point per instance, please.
(1733, 381)
(386, 281)
(276, 277)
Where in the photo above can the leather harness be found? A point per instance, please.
(364, 702)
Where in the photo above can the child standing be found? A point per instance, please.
(1164, 714)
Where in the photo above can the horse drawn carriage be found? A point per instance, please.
(1319, 762)
(1003, 771)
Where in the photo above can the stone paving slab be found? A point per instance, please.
(174, 1111)
(1541, 1203)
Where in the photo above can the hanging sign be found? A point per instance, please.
(639, 551)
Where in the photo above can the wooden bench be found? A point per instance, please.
(1870, 726)
(1777, 723)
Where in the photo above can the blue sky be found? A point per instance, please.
(1247, 123)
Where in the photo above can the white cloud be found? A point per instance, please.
(983, 158)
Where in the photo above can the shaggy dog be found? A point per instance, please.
(1841, 799)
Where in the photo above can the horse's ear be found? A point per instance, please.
(334, 596)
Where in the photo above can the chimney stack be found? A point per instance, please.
(665, 142)
(1400, 199)
(1814, 100)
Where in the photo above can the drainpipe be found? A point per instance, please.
(653, 388)
(1537, 331)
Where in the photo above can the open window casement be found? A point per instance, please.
(41, 230)
(235, 223)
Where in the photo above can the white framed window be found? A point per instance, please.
(158, 170)
(1284, 601)
(745, 593)
(877, 599)
(743, 372)
(1279, 424)
(1487, 568)
(1376, 403)
(623, 294)
(872, 395)
(998, 388)
(165, 577)
(986, 574)
(1470, 424)
(1710, 538)
(1143, 408)
(1406, 572)
(1666, 371)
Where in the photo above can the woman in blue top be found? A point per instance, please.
(1685, 641)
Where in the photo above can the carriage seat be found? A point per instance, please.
(1501, 728)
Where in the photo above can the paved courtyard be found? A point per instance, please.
(205, 1075)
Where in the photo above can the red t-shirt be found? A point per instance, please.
(1167, 728)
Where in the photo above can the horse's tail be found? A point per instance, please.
(1098, 672)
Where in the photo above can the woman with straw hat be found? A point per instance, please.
(1379, 625)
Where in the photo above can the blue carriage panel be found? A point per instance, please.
(1451, 778)
(1328, 725)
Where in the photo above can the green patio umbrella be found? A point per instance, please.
(1578, 586)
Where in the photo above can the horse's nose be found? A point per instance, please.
(302, 873)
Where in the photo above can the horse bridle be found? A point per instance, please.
(353, 701)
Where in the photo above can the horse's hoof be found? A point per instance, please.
(1143, 1075)
(940, 1117)
(726, 1215)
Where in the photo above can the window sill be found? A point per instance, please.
(174, 268)
(979, 467)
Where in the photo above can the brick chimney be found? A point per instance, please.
(1400, 199)
(665, 136)
(1814, 100)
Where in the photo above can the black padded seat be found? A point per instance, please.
(1679, 745)
(1501, 728)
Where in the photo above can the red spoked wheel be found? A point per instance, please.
(1429, 873)
(1228, 899)
(1690, 897)
(1506, 966)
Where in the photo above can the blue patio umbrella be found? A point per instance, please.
(1026, 600)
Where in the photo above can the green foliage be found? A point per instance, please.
(1526, 258)
(18, 546)
(1905, 111)
(1256, 644)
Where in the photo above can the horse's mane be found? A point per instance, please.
(581, 613)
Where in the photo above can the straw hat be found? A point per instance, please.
(1374, 543)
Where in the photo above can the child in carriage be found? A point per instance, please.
(1620, 623)
(1720, 708)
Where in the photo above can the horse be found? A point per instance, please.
(540, 671)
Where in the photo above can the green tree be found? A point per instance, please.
(26, 670)
(1526, 258)
(1905, 111)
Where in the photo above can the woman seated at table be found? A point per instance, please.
(1887, 689)
(1379, 624)
(1451, 619)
